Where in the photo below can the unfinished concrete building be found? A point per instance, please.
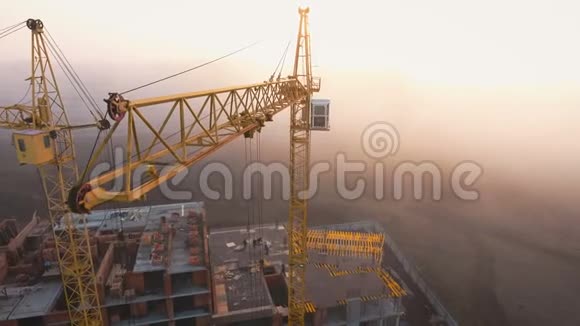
(154, 268)
(343, 287)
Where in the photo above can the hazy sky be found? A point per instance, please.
(492, 80)
(453, 42)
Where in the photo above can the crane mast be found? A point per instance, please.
(299, 174)
(46, 120)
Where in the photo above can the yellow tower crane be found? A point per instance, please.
(216, 117)
(200, 123)
(42, 137)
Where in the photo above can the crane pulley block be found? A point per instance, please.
(116, 106)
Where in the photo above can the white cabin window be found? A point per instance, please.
(319, 114)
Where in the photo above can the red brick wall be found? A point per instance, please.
(9, 323)
(200, 278)
(106, 265)
(167, 288)
(3, 267)
(201, 301)
(135, 281)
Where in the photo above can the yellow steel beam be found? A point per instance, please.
(344, 243)
(219, 117)
(190, 95)
(299, 177)
(394, 287)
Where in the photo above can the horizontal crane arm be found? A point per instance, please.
(20, 117)
(23, 117)
(200, 122)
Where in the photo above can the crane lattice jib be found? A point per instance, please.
(194, 125)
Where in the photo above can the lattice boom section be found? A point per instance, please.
(343, 243)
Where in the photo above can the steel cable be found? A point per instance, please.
(78, 79)
(191, 69)
(6, 33)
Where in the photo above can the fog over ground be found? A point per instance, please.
(512, 257)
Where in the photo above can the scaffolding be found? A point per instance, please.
(343, 243)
